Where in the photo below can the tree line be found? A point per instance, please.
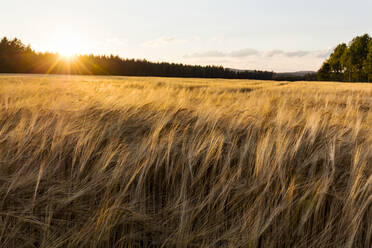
(349, 63)
(16, 57)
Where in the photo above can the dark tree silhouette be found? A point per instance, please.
(15, 57)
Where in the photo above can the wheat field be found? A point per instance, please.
(163, 162)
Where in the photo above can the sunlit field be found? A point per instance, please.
(165, 162)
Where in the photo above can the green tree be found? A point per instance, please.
(358, 54)
(368, 63)
(324, 73)
(335, 62)
(347, 65)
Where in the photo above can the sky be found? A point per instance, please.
(282, 36)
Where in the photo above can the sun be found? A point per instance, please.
(67, 57)
(67, 45)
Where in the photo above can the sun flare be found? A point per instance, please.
(67, 57)
(67, 45)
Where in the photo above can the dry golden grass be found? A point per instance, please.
(156, 162)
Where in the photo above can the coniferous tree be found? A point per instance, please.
(15, 57)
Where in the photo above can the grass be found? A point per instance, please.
(161, 162)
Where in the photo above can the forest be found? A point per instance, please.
(349, 63)
(16, 57)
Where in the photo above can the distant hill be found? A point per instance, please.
(296, 73)
(286, 76)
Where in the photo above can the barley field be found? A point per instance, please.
(163, 162)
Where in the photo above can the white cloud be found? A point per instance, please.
(247, 52)
(323, 54)
(277, 60)
(208, 54)
(299, 53)
(217, 54)
(243, 53)
(164, 40)
(115, 41)
(273, 53)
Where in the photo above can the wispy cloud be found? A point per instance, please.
(218, 54)
(297, 53)
(243, 53)
(164, 40)
(115, 41)
(273, 53)
(323, 54)
(249, 58)
(249, 52)
(208, 54)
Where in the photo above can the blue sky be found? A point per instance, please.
(284, 35)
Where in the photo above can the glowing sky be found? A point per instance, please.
(286, 35)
